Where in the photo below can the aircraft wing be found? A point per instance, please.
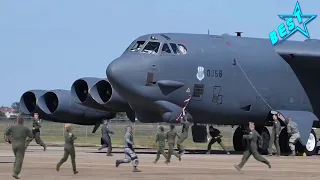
(306, 55)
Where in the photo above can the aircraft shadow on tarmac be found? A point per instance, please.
(153, 151)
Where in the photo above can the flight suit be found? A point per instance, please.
(36, 134)
(171, 137)
(160, 139)
(216, 137)
(129, 152)
(252, 149)
(274, 138)
(106, 138)
(183, 136)
(69, 149)
(18, 134)
(293, 132)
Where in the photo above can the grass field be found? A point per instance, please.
(144, 135)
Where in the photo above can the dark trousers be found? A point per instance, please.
(213, 140)
(255, 154)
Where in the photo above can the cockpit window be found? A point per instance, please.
(137, 46)
(165, 48)
(175, 48)
(151, 48)
(182, 49)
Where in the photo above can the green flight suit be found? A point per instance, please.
(160, 139)
(293, 132)
(36, 134)
(69, 149)
(18, 134)
(171, 137)
(106, 139)
(183, 136)
(252, 149)
(274, 138)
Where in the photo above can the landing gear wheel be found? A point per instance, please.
(311, 146)
(264, 132)
(239, 144)
(284, 142)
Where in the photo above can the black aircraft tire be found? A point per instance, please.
(239, 144)
(311, 146)
(264, 132)
(284, 142)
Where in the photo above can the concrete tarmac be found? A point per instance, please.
(41, 165)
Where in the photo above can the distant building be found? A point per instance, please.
(8, 111)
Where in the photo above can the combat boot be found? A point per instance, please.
(237, 167)
(293, 153)
(109, 154)
(57, 167)
(135, 169)
(15, 176)
(44, 147)
(75, 172)
(118, 163)
(208, 152)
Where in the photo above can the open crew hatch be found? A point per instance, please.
(154, 45)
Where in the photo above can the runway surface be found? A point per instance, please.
(41, 165)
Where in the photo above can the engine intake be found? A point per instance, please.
(80, 93)
(80, 90)
(103, 93)
(28, 101)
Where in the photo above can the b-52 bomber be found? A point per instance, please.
(231, 80)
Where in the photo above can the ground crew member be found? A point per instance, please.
(274, 138)
(36, 132)
(69, 149)
(293, 132)
(18, 134)
(161, 140)
(106, 137)
(252, 148)
(184, 134)
(130, 155)
(215, 137)
(171, 138)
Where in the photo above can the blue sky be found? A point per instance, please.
(49, 44)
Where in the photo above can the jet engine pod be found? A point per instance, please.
(103, 93)
(80, 92)
(58, 104)
(28, 101)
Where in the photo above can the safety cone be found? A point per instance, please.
(304, 154)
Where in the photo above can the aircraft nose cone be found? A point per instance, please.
(117, 71)
(112, 71)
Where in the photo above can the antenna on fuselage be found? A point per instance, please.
(239, 33)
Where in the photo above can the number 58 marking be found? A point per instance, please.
(214, 73)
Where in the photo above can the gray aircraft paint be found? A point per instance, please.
(284, 82)
(97, 93)
(59, 105)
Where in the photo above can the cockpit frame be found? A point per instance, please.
(172, 48)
